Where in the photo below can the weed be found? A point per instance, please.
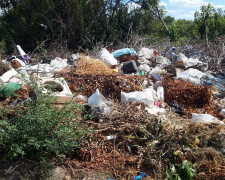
(186, 171)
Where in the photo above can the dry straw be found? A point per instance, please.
(88, 65)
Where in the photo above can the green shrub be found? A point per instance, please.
(38, 130)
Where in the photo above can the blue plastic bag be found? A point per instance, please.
(121, 52)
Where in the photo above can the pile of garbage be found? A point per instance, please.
(121, 89)
(124, 76)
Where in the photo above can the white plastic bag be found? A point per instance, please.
(147, 96)
(192, 75)
(106, 57)
(97, 99)
(205, 118)
(189, 61)
(58, 63)
(144, 67)
(146, 53)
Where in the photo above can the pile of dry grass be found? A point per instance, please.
(87, 65)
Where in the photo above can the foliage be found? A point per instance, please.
(174, 32)
(169, 20)
(38, 130)
(75, 23)
(186, 171)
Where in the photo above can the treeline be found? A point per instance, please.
(83, 23)
(209, 24)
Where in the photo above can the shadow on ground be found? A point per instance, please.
(19, 170)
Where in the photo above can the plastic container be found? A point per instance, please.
(141, 73)
(160, 93)
(130, 67)
(156, 77)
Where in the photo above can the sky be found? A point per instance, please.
(185, 9)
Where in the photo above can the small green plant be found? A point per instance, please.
(186, 171)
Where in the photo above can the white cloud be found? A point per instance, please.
(219, 6)
(187, 3)
(131, 6)
(187, 16)
(174, 11)
(162, 3)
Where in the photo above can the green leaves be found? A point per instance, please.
(186, 171)
(41, 129)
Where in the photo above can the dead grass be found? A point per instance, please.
(91, 66)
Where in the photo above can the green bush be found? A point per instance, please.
(38, 130)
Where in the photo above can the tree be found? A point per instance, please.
(205, 21)
(169, 20)
(153, 7)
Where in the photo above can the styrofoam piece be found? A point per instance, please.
(62, 97)
(22, 53)
(6, 76)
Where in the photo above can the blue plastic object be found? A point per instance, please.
(121, 52)
(156, 77)
(141, 176)
(189, 47)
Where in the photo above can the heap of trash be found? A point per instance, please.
(124, 84)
